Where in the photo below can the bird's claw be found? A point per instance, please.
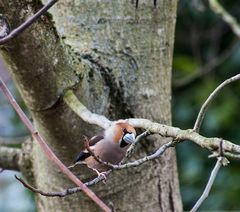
(102, 175)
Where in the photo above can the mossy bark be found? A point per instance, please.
(118, 61)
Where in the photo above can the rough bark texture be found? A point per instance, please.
(118, 60)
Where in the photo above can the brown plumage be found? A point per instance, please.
(110, 147)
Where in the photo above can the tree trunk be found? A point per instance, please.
(118, 61)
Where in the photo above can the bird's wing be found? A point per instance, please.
(85, 154)
(95, 139)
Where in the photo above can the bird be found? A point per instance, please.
(110, 147)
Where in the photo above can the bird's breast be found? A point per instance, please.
(110, 152)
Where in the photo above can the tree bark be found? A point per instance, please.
(118, 61)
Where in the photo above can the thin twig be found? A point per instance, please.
(86, 144)
(48, 151)
(135, 163)
(209, 184)
(153, 127)
(206, 104)
(70, 191)
(229, 19)
(128, 154)
(231, 155)
(63, 193)
(28, 22)
(138, 162)
(133, 146)
(86, 115)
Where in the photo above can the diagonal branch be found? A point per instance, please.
(48, 151)
(63, 193)
(70, 191)
(27, 23)
(135, 163)
(86, 115)
(131, 149)
(229, 19)
(209, 185)
(206, 104)
(156, 128)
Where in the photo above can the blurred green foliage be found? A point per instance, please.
(201, 38)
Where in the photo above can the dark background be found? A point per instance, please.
(206, 53)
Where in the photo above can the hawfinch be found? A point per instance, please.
(110, 147)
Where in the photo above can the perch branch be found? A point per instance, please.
(229, 19)
(63, 193)
(10, 158)
(135, 163)
(27, 23)
(70, 191)
(179, 134)
(48, 151)
(156, 128)
(138, 162)
(206, 104)
(133, 146)
(209, 185)
(91, 118)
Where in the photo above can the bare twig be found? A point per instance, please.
(138, 162)
(156, 128)
(229, 19)
(91, 118)
(135, 163)
(28, 22)
(204, 107)
(128, 154)
(209, 184)
(86, 142)
(133, 146)
(70, 191)
(231, 155)
(63, 193)
(48, 151)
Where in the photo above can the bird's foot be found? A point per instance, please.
(102, 175)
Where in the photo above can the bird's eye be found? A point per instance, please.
(125, 131)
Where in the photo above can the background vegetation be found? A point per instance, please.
(203, 39)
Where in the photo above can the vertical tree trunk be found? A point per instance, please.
(118, 60)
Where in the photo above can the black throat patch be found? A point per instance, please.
(123, 143)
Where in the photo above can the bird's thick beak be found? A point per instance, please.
(129, 138)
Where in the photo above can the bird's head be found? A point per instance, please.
(122, 133)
